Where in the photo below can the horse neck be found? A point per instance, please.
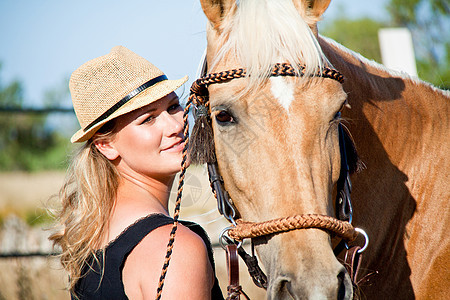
(400, 126)
(408, 117)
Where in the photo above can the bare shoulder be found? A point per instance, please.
(189, 266)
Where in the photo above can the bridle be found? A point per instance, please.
(232, 237)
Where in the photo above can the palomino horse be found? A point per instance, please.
(277, 146)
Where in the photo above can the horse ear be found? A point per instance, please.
(215, 10)
(312, 10)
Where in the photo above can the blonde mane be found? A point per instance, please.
(264, 32)
(381, 67)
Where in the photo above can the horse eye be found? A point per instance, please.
(224, 117)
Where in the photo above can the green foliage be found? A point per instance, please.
(33, 216)
(26, 143)
(38, 217)
(406, 12)
(402, 11)
(428, 21)
(360, 35)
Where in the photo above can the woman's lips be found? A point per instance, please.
(177, 147)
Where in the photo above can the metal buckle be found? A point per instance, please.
(225, 240)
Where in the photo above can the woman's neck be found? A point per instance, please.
(144, 193)
(137, 196)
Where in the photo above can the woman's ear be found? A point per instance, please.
(106, 147)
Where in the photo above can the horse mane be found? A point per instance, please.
(263, 32)
(381, 67)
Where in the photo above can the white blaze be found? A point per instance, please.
(283, 91)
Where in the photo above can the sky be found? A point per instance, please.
(43, 42)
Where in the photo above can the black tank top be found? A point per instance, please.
(111, 285)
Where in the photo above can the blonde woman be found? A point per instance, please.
(114, 221)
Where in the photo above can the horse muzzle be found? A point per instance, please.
(336, 286)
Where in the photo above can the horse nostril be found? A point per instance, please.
(341, 294)
(284, 287)
(282, 290)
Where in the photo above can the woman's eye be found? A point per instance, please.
(175, 107)
(148, 120)
(224, 117)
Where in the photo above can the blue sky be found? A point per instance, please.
(42, 42)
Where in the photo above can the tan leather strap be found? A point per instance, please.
(256, 229)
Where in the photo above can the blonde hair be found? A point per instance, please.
(87, 197)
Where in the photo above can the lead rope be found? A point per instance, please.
(176, 213)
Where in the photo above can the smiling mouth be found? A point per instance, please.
(175, 147)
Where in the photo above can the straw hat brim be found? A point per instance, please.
(144, 98)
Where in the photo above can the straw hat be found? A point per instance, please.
(112, 85)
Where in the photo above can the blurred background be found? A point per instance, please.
(42, 42)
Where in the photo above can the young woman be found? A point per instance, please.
(114, 221)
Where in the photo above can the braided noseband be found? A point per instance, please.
(252, 230)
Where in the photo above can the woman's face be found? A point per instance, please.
(149, 140)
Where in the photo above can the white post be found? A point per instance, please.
(397, 51)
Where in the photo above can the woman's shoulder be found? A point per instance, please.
(189, 256)
(158, 238)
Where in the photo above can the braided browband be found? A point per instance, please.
(199, 89)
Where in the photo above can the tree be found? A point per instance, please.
(359, 35)
(25, 141)
(428, 21)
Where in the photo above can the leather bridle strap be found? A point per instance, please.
(233, 272)
(344, 209)
(234, 290)
(352, 262)
(223, 199)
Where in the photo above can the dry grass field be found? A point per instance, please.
(26, 195)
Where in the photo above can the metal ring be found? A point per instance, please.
(366, 237)
(200, 110)
(221, 238)
(231, 219)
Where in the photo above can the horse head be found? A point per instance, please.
(276, 137)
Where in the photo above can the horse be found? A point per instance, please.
(276, 141)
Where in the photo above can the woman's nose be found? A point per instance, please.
(172, 123)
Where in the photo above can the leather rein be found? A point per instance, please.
(232, 237)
